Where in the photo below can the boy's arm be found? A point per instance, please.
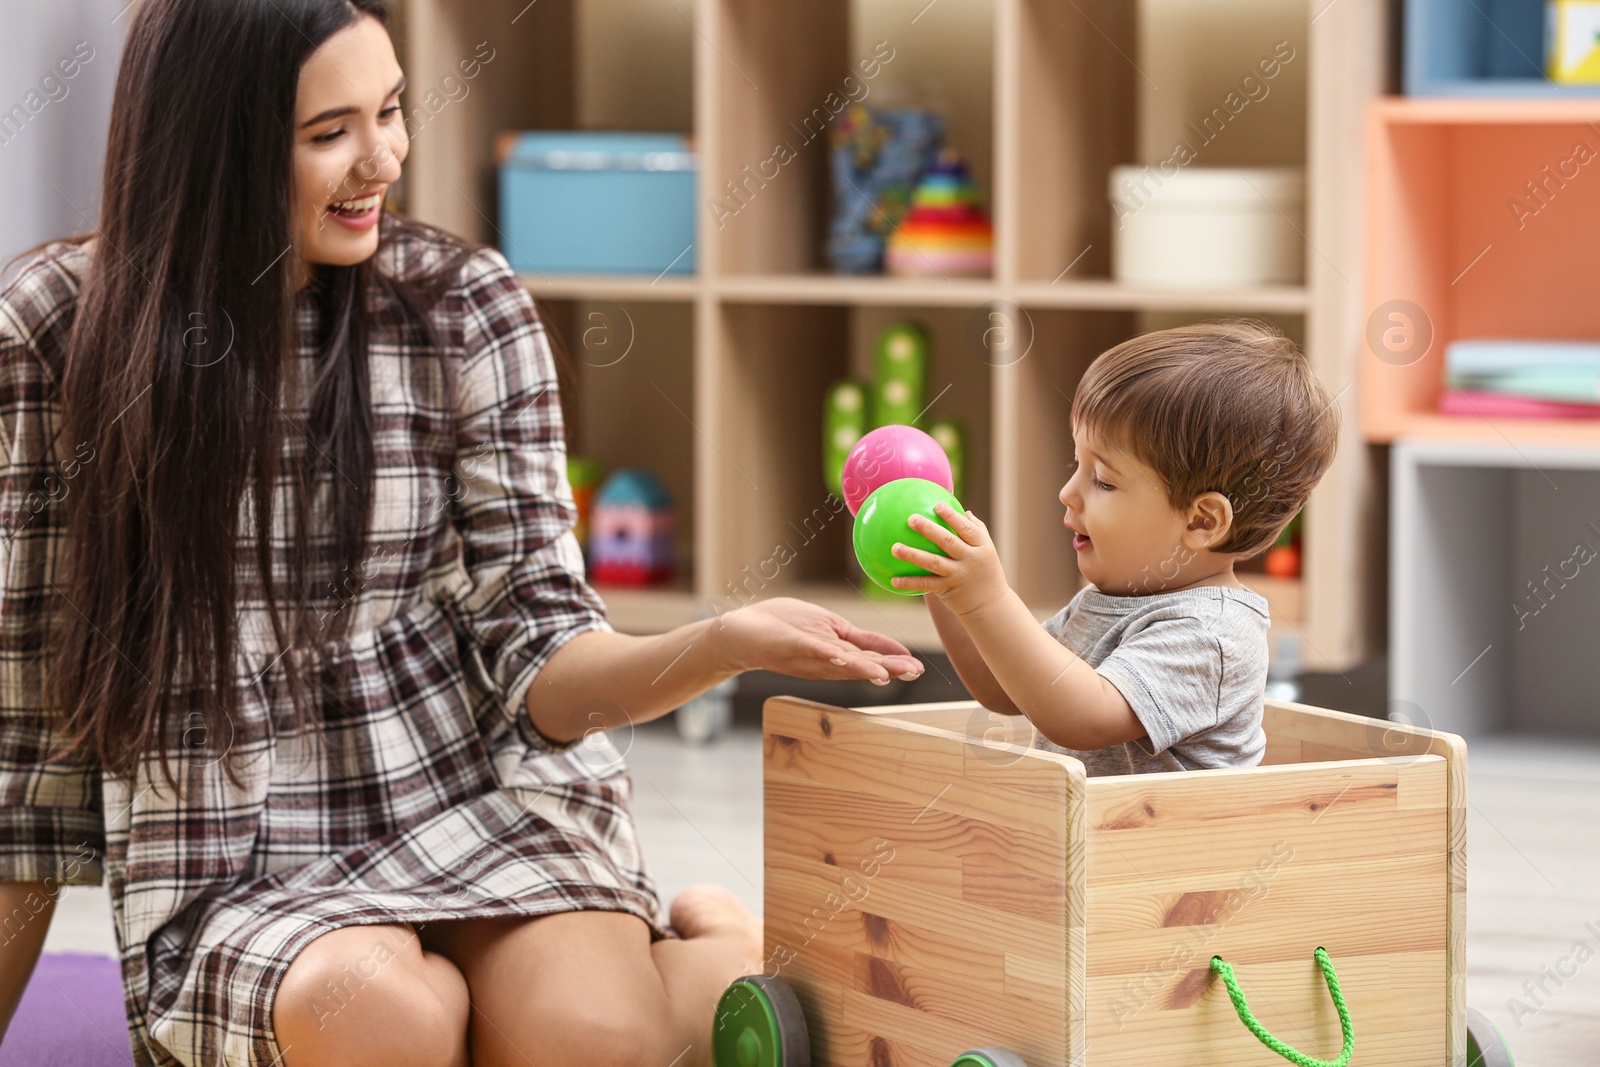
(1063, 696)
(1070, 703)
(970, 666)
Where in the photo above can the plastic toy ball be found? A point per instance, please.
(889, 453)
(882, 521)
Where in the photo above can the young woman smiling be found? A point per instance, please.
(342, 809)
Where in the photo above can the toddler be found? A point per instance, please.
(1194, 447)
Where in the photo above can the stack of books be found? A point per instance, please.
(1528, 379)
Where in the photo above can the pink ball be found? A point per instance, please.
(891, 452)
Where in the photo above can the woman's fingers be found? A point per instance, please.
(869, 640)
(836, 660)
(844, 660)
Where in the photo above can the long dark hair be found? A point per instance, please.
(194, 226)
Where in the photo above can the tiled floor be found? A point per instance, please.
(1533, 887)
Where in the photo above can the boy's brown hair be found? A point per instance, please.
(1229, 406)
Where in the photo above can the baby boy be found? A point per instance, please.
(1195, 447)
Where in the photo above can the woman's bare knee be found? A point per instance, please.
(616, 1033)
(369, 994)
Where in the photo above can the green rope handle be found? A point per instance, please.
(1245, 1016)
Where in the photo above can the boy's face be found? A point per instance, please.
(1128, 536)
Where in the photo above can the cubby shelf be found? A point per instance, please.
(1090, 294)
(1113, 296)
(723, 390)
(1480, 225)
(840, 289)
(610, 287)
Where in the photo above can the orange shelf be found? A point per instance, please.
(1495, 430)
(1481, 111)
(1482, 223)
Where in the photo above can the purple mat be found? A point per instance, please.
(72, 1014)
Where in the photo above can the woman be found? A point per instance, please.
(315, 628)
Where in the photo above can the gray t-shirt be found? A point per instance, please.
(1191, 663)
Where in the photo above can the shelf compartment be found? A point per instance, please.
(1450, 256)
(629, 394)
(1104, 83)
(451, 178)
(782, 71)
(1034, 446)
(554, 66)
(1068, 115)
(1493, 50)
(1491, 611)
(779, 526)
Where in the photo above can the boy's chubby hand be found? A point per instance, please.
(968, 576)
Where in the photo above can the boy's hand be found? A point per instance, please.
(968, 575)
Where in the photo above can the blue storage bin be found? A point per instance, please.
(1481, 48)
(597, 203)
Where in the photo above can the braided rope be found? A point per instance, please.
(1292, 1055)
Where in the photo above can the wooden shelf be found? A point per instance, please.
(1485, 111)
(611, 286)
(720, 389)
(1088, 294)
(1473, 429)
(843, 289)
(1107, 295)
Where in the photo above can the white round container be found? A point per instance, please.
(1207, 227)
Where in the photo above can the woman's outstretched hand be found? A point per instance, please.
(798, 638)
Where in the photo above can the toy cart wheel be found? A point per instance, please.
(988, 1057)
(759, 1024)
(1486, 1047)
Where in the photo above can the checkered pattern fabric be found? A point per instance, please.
(428, 794)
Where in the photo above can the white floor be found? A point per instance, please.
(1533, 910)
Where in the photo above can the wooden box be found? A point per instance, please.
(935, 884)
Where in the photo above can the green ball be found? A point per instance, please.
(882, 521)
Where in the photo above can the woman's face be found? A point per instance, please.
(349, 142)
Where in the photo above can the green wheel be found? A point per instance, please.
(1486, 1046)
(988, 1057)
(759, 1024)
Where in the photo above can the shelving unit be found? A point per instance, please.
(722, 391)
(1485, 633)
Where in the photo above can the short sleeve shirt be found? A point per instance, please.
(1192, 664)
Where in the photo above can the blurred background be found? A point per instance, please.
(763, 229)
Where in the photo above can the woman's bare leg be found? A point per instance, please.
(588, 988)
(371, 994)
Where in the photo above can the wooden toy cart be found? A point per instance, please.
(939, 891)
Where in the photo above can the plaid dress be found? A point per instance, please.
(431, 796)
